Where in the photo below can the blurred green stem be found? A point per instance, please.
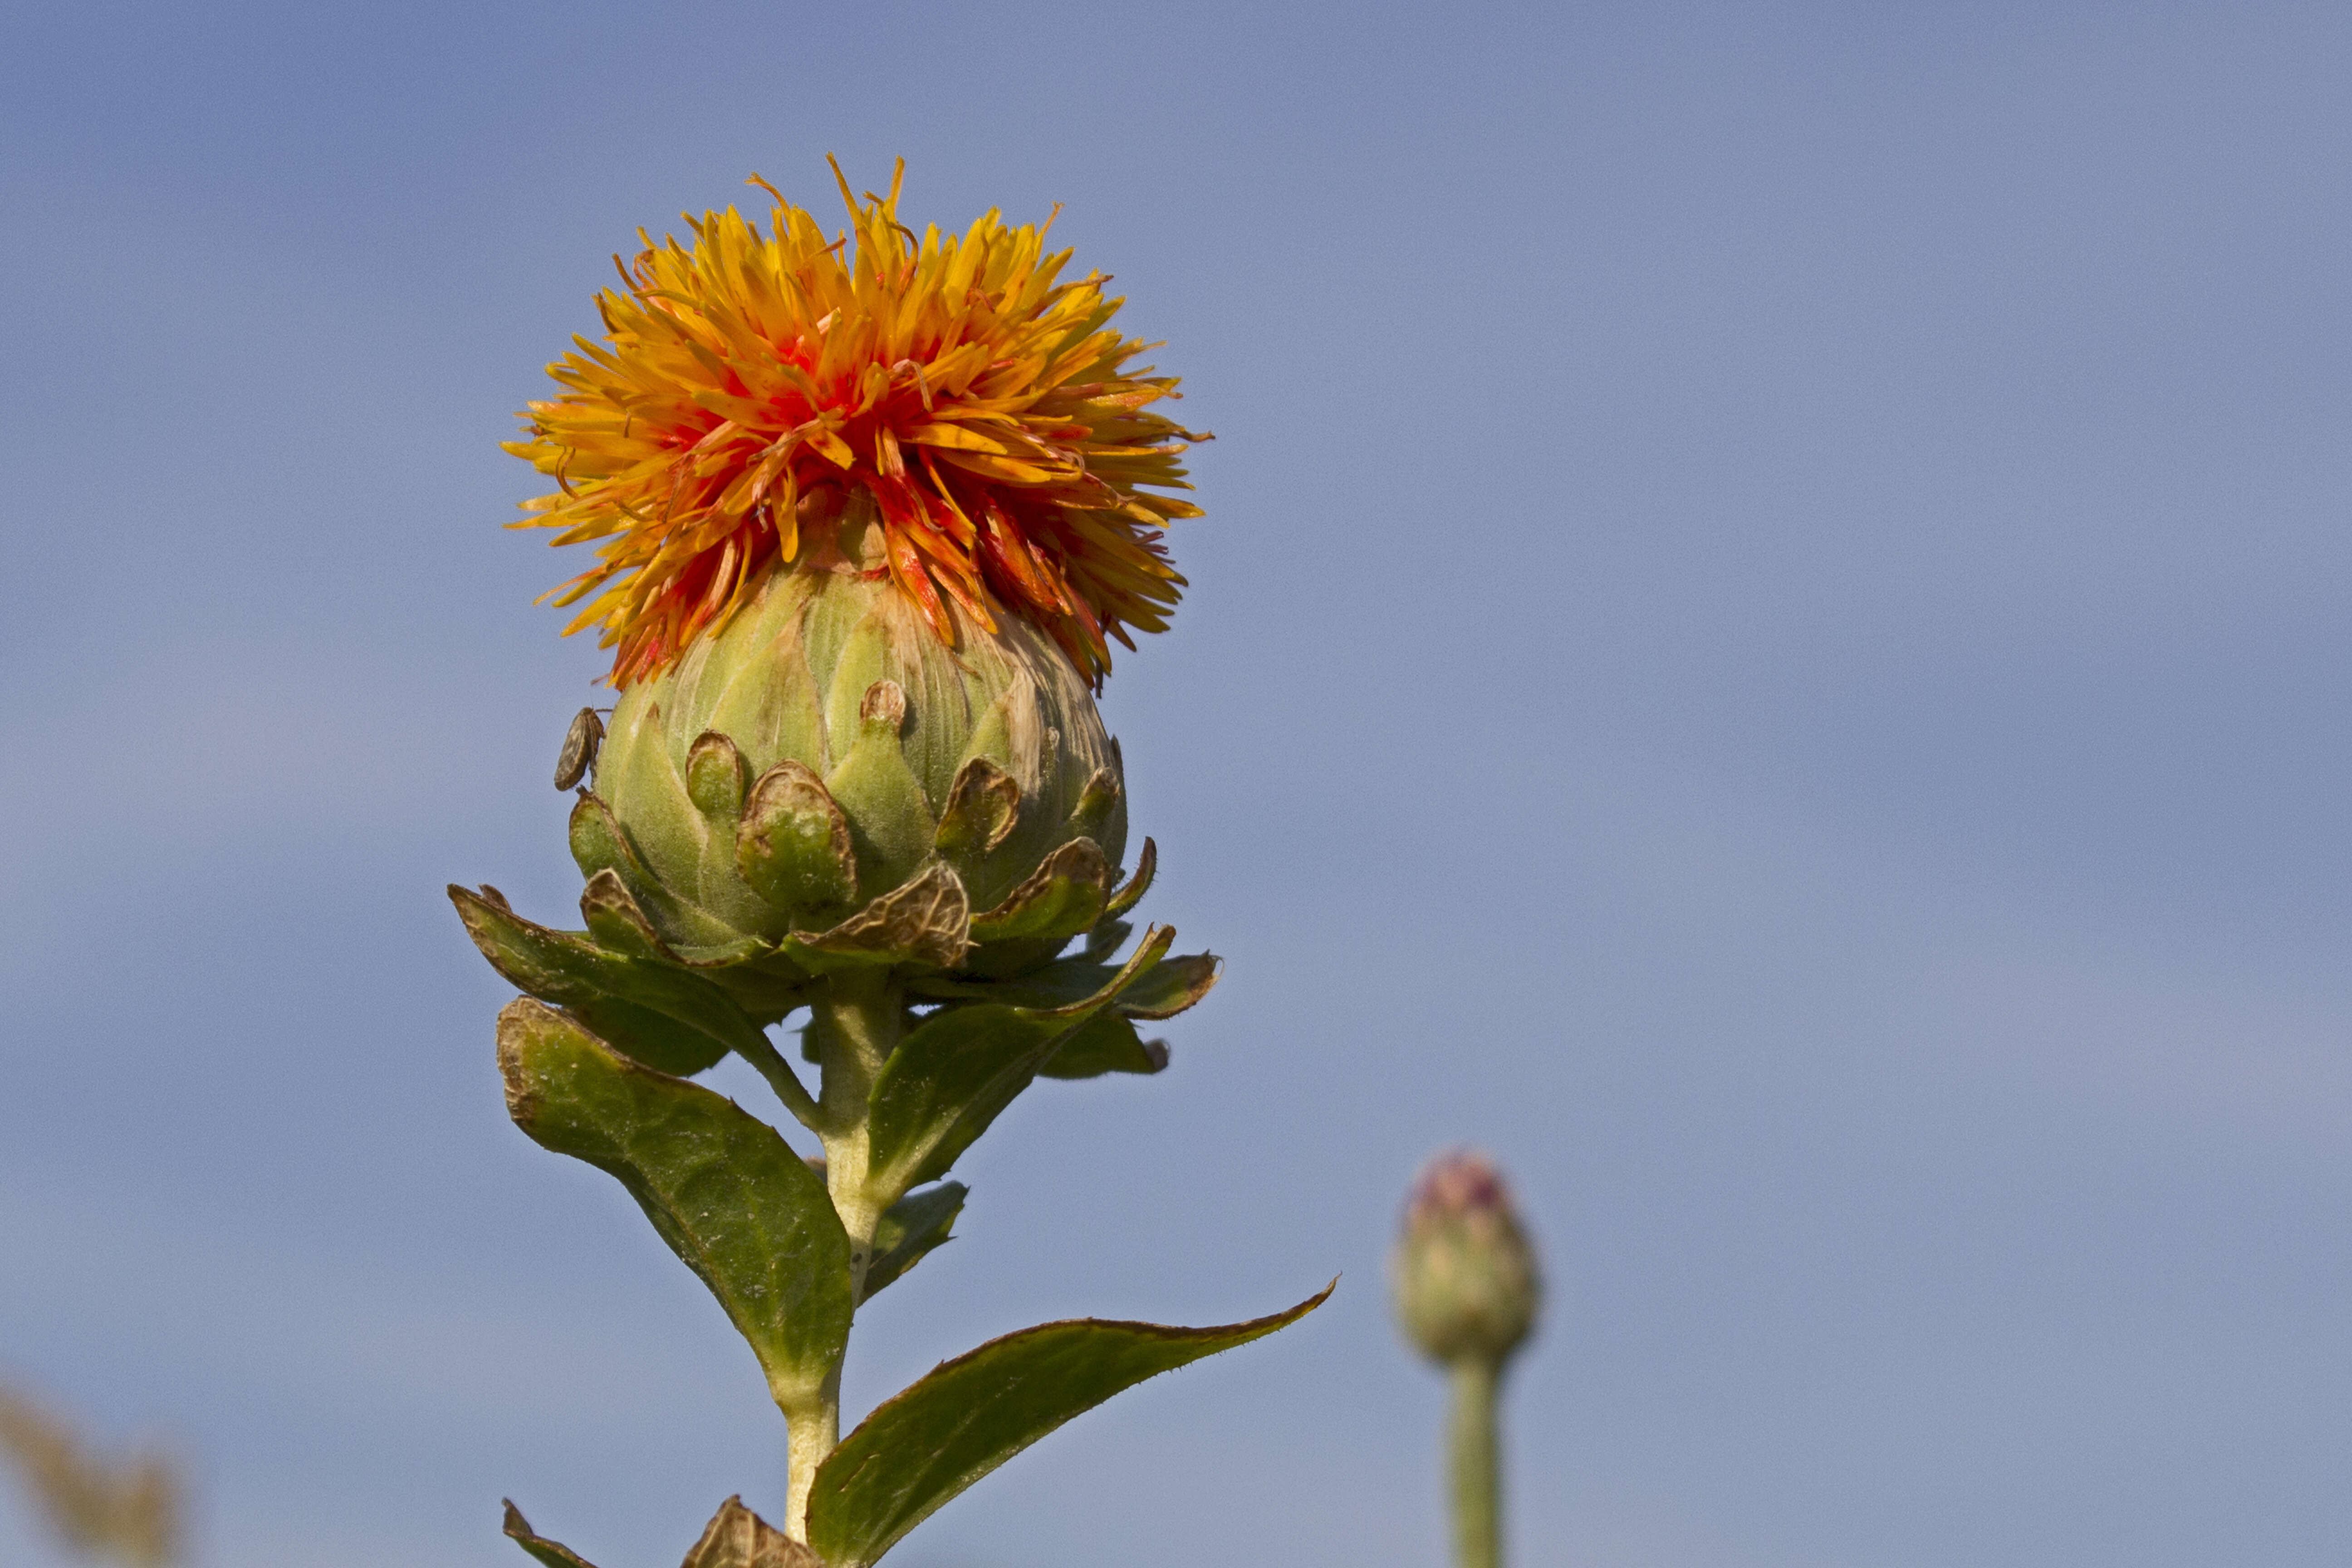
(1475, 1444)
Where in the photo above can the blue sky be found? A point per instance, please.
(1768, 644)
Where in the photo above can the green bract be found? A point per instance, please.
(825, 787)
(826, 750)
(827, 783)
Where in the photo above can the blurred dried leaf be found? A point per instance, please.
(126, 1511)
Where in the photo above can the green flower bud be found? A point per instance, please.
(827, 777)
(1464, 1273)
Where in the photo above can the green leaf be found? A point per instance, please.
(1108, 1043)
(1174, 985)
(555, 1554)
(678, 1022)
(654, 1038)
(970, 1415)
(1106, 937)
(1061, 897)
(909, 1229)
(1130, 893)
(956, 1071)
(723, 1189)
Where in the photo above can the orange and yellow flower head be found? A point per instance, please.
(750, 383)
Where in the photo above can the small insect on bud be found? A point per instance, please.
(1464, 1273)
(580, 746)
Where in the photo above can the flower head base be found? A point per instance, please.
(749, 383)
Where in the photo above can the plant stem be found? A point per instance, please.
(812, 1432)
(1474, 1443)
(854, 1024)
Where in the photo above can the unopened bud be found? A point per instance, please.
(1464, 1276)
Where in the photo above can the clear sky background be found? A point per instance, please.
(1769, 644)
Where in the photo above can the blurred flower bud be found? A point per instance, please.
(1464, 1274)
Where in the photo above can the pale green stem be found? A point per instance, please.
(1473, 1441)
(854, 1023)
(811, 1433)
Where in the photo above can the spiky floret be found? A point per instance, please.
(747, 383)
